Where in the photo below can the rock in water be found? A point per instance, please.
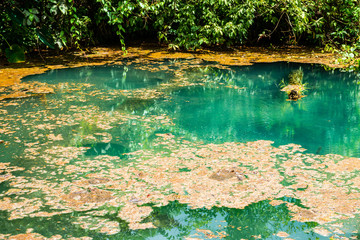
(294, 95)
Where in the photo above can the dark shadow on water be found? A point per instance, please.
(111, 149)
(136, 105)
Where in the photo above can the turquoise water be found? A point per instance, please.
(176, 221)
(326, 121)
(236, 104)
(106, 77)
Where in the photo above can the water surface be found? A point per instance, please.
(325, 121)
(106, 77)
(96, 110)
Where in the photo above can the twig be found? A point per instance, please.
(6, 40)
(292, 28)
(277, 24)
(39, 51)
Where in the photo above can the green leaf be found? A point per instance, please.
(16, 16)
(45, 37)
(15, 54)
(53, 9)
(36, 18)
(34, 11)
(63, 8)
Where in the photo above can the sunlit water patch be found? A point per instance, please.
(325, 121)
(118, 149)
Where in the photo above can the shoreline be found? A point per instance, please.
(11, 74)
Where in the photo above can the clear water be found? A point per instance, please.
(105, 77)
(326, 121)
(238, 104)
(176, 221)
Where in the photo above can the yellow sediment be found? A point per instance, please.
(12, 73)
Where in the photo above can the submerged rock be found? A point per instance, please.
(227, 173)
(89, 195)
(294, 95)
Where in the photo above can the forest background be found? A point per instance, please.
(26, 26)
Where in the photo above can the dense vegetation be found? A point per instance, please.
(182, 24)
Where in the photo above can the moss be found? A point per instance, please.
(296, 77)
(295, 87)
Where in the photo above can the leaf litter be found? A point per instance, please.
(231, 174)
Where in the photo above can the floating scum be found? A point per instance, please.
(54, 176)
(155, 178)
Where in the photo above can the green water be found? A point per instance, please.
(325, 121)
(107, 77)
(176, 221)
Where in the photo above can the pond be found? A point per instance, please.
(327, 121)
(181, 149)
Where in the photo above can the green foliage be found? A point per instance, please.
(182, 24)
(15, 54)
(45, 37)
(296, 77)
(190, 25)
(53, 23)
(294, 83)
